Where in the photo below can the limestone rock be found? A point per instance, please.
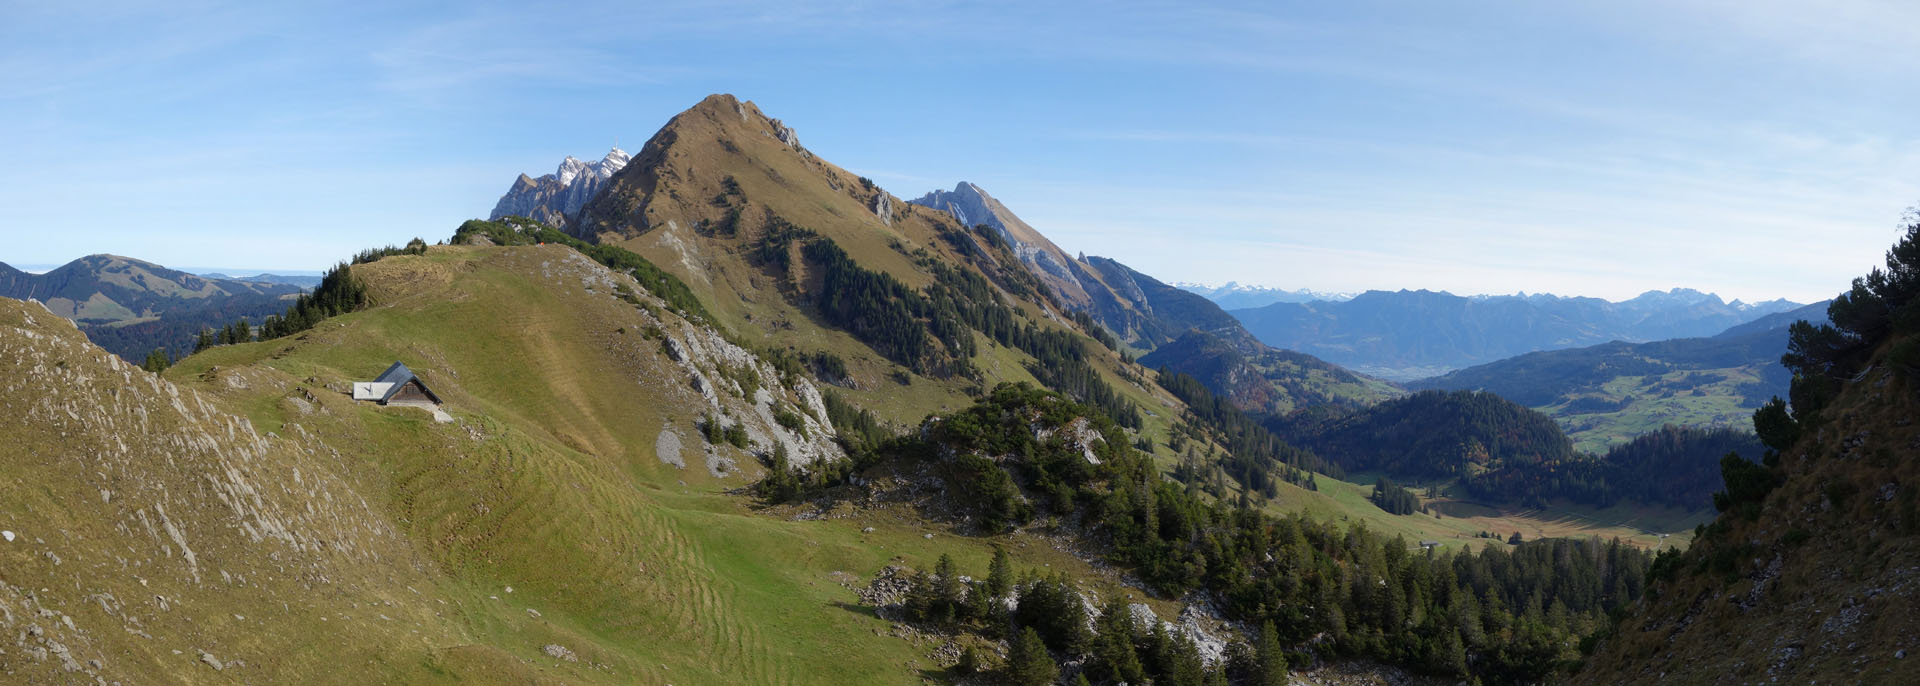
(554, 198)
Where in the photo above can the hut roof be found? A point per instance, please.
(396, 377)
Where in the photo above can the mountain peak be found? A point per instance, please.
(554, 198)
(972, 206)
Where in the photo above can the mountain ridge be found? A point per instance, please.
(1409, 334)
(1605, 394)
(725, 197)
(554, 198)
(132, 306)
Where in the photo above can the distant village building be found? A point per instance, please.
(1429, 545)
(399, 386)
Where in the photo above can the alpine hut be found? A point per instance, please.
(397, 386)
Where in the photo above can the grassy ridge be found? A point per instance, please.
(652, 571)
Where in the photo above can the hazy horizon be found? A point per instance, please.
(1598, 149)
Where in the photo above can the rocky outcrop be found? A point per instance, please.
(784, 133)
(973, 206)
(553, 199)
(883, 207)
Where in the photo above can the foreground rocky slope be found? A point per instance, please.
(153, 532)
(1821, 585)
(1812, 570)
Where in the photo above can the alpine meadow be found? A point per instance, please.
(1486, 344)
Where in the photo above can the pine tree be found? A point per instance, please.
(1000, 573)
(1028, 663)
(156, 361)
(1270, 664)
(1113, 657)
(204, 340)
(946, 590)
(921, 597)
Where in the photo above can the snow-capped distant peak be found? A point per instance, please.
(554, 197)
(572, 168)
(615, 161)
(569, 170)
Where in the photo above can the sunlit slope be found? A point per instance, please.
(155, 534)
(707, 199)
(407, 550)
(551, 481)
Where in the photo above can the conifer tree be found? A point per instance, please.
(1270, 663)
(156, 361)
(1028, 663)
(1000, 573)
(1113, 657)
(946, 590)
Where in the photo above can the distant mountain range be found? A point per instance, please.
(1236, 296)
(130, 306)
(1184, 331)
(553, 198)
(1606, 394)
(301, 280)
(1406, 335)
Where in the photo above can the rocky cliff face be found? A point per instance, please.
(554, 198)
(1188, 333)
(973, 206)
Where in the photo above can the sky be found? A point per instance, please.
(1756, 149)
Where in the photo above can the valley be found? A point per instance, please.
(722, 411)
(1458, 520)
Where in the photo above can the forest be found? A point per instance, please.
(1504, 613)
(931, 332)
(1675, 466)
(1439, 434)
(1254, 451)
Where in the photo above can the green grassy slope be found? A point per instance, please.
(547, 482)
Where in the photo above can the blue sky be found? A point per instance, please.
(1755, 149)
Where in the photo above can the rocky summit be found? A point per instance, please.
(972, 205)
(553, 198)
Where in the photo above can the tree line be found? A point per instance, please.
(1496, 613)
(517, 230)
(1675, 466)
(1050, 631)
(930, 331)
(1256, 456)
